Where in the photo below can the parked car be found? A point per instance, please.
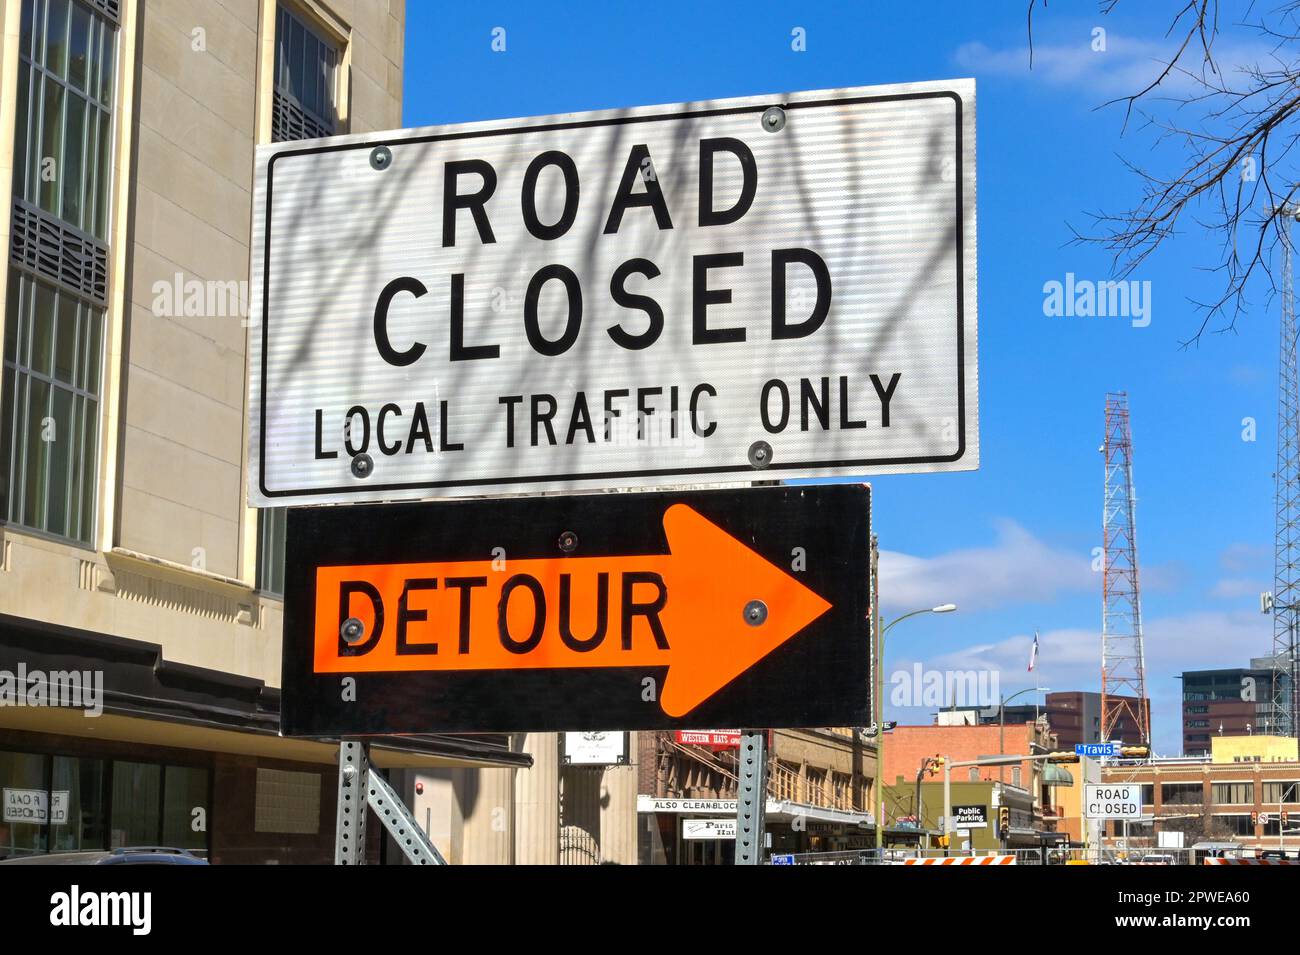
(1156, 858)
(129, 855)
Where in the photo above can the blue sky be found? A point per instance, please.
(1011, 543)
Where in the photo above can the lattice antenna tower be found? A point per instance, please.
(1280, 715)
(1123, 666)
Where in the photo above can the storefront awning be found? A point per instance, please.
(149, 700)
(1054, 775)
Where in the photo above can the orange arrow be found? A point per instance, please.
(687, 610)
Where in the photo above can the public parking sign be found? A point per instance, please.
(643, 611)
(641, 297)
(1112, 801)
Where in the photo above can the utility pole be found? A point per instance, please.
(877, 690)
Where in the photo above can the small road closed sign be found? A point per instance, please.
(640, 297)
(1112, 801)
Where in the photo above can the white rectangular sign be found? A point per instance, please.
(1112, 801)
(708, 829)
(33, 806)
(595, 749)
(770, 287)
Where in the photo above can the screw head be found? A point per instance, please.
(381, 157)
(760, 454)
(774, 119)
(362, 465)
(755, 613)
(568, 542)
(352, 631)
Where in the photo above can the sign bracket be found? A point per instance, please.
(360, 788)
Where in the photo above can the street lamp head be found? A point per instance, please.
(944, 608)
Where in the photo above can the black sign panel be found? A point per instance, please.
(970, 817)
(631, 611)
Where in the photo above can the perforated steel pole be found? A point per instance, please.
(350, 824)
(751, 799)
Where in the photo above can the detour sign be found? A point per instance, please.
(618, 611)
(708, 610)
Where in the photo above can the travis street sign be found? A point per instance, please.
(638, 297)
(642, 611)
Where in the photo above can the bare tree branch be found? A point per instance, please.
(1233, 133)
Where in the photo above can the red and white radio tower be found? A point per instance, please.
(1123, 667)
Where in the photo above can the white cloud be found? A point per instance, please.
(1018, 567)
(1126, 66)
(1240, 558)
(1239, 588)
(1070, 659)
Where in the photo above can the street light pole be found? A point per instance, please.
(1002, 722)
(877, 704)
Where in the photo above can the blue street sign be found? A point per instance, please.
(1096, 749)
(783, 860)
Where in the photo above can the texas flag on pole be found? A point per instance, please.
(1033, 653)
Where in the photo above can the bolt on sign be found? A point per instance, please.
(643, 611)
(632, 298)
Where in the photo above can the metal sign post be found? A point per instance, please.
(751, 800)
(361, 787)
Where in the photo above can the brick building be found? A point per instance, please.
(1235, 794)
(907, 746)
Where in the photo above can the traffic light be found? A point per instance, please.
(1254, 819)
(1004, 818)
(1135, 752)
(1061, 756)
(936, 765)
(943, 841)
(1284, 819)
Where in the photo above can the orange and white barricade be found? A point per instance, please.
(963, 860)
(1216, 861)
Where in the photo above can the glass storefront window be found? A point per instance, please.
(185, 808)
(68, 804)
(77, 795)
(24, 801)
(137, 796)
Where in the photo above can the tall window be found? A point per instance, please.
(64, 112)
(304, 106)
(57, 276)
(306, 68)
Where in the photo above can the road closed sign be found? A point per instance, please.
(643, 611)
(706, 292)
(1112, 801)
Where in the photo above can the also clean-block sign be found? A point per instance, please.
(642, 611)
(776, 286)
